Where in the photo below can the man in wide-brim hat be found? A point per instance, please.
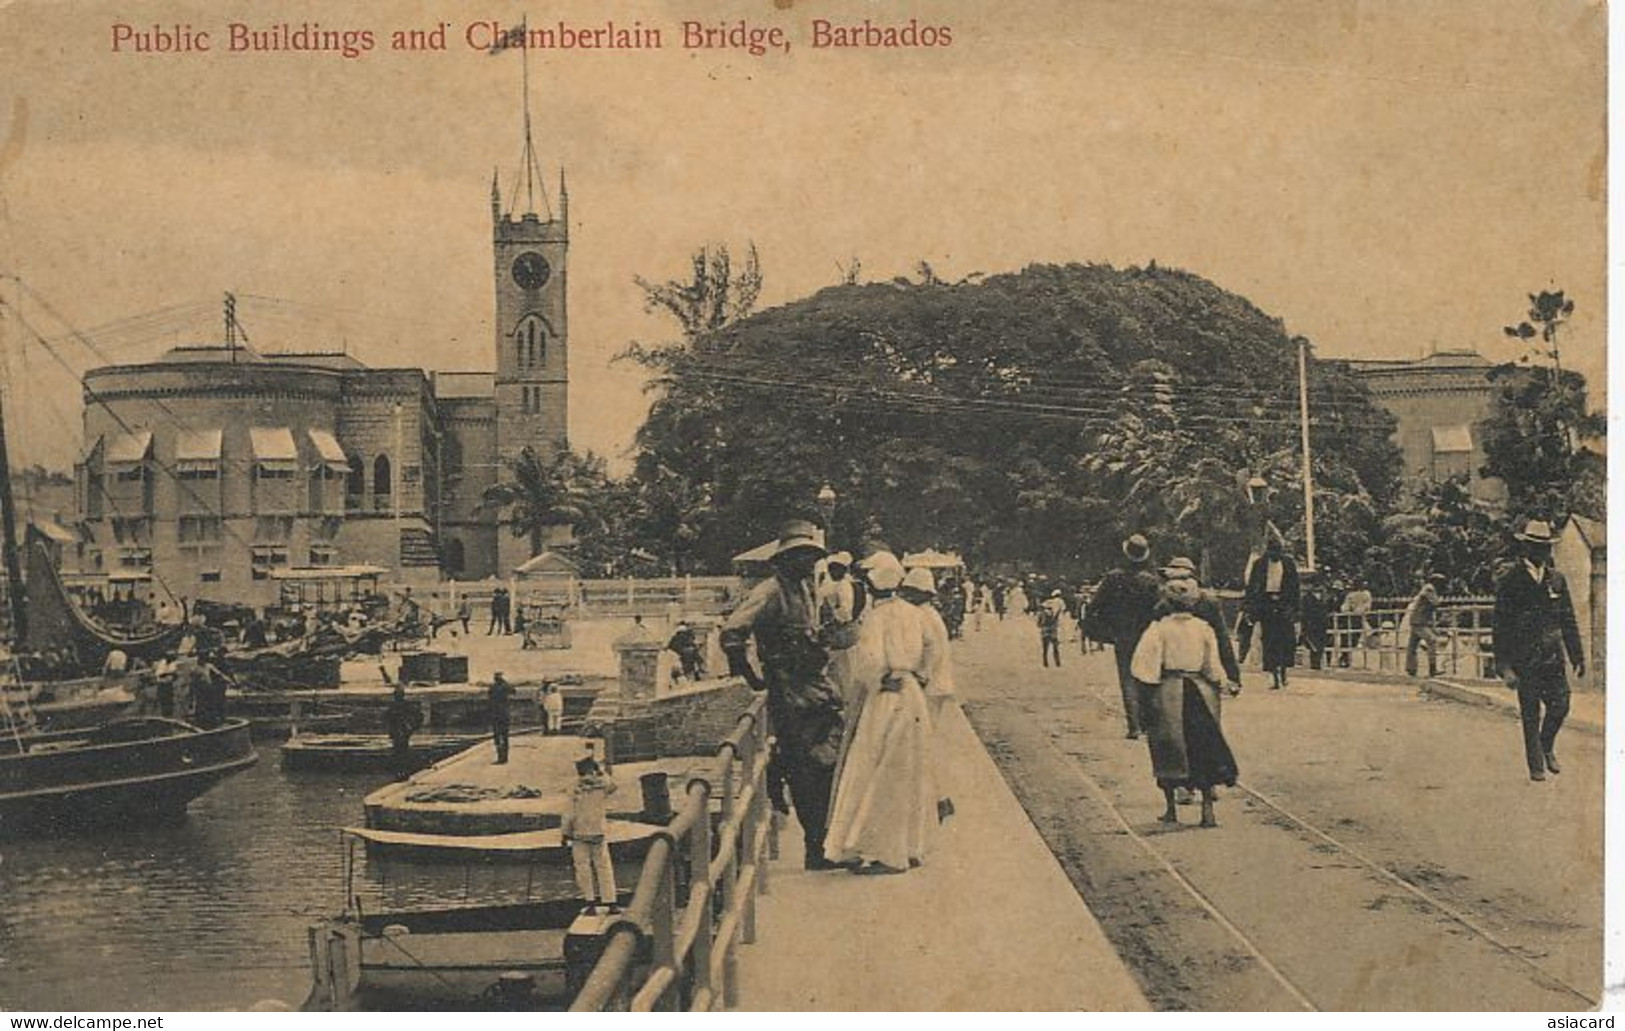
(1118, 614)
(1534, 627)
(783, 614)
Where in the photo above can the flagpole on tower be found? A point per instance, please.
(1308, 465)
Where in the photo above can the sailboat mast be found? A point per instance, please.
(8, 527)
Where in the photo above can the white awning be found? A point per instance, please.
(197, 449)
(128, 448)
(1452, 440)
(327, 447)
(273, 447)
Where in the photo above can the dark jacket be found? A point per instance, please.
(1534, 623)
(1123, 606)
(1259, 605)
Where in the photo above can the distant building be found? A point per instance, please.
(215, 466)
(1440, 402)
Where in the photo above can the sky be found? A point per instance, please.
(1386, 177)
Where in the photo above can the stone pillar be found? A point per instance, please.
(639, 652)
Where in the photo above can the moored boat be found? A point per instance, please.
(124, 772)
(368, 753)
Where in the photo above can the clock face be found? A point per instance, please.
(530, 270)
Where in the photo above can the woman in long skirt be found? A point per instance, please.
(1273, 596)
(1178, 673)
(884, 804)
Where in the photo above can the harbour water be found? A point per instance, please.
(209, 913)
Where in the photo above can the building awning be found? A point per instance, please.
(327, 572)
(54, 531)
(129, 448)
(1452, 440)
(273, 447)
(327, 448)
(197, 449)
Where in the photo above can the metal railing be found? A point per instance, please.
(1380, 640)
(676, 946)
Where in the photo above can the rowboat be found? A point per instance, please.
(130, 771)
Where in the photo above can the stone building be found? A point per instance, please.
(1439, 402)
(216, 466)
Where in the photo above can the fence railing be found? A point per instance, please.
(1460, 643)
(693, 595)
(695, 903)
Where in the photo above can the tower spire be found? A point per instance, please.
(564, 199)
(496, 197)
(530, 173)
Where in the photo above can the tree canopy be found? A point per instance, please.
(1030, 418)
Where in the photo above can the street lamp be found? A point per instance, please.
(826, 508)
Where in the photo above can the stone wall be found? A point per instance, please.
(690, 722)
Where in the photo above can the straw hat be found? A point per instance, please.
(796, 535)
(920, 579)
(884, 571)
(1537, 531)
(1180, 568)
(1137, 549)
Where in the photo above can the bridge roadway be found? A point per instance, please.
(990, 922)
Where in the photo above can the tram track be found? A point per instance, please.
(1359, 896)
(1110, 707)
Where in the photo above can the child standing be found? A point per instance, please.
(587, 832)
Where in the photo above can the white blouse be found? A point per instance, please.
(1177, 643)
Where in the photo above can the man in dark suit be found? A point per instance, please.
(1534, 626)
(1120, 611)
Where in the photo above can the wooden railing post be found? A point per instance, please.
(663, 926)
(699, 866)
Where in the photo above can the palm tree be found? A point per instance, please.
(543, 493)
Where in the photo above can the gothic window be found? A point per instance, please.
(530, 342)
(380, 477)
(355, 485)
(454, 557)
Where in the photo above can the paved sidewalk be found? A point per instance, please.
(989, 923)
(1586, 708)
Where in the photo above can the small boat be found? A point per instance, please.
(126, 772)
(628, 840)
(71, 704)
(507, 953)
(368, 753)
(508, 956)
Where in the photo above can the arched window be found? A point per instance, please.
(454, 557)
(356, 483)
(530, 342)
(380, 476)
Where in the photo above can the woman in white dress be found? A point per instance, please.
(884, 803)
(1177, 672)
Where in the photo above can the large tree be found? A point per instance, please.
(1541, 439)
(1009, 417)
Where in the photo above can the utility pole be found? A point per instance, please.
(1308, 465)
(8, 526)
(231, 326)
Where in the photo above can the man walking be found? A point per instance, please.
(783, 614)
(1120, 612)
(1423, 616)
(1534, 627)
(500, 698)
(1049, 627)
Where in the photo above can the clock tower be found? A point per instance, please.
(532, 325)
